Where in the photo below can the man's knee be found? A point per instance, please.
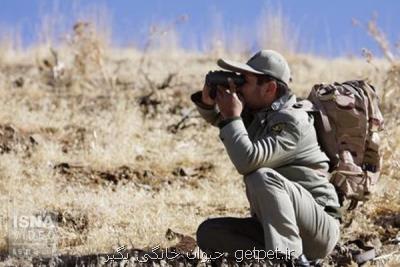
(263, 177)
(205, 233)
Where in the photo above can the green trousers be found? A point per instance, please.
(285, 217)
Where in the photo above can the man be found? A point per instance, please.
(274, 146)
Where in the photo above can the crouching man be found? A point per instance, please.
(294, 208)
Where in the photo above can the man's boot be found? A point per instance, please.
(301, 261)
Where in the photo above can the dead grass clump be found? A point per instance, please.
(277, 33)
(79, 62)
(391, 74)
(72, 226)
(390, 148)
(87, 48)
(52, 71)
(10, 43)
(12, 139)
(157, 44)
(387, 217)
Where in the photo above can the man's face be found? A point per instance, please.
(255, 96)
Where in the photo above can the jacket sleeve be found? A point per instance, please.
(209, 113)
(275, 148)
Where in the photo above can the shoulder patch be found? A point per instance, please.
(277, 128)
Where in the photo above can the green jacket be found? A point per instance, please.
(280, 137)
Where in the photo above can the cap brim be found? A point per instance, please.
(236, 66)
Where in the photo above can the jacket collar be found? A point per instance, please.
(284, 101)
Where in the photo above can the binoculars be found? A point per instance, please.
(220, 78)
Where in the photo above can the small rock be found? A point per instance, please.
(19, 82)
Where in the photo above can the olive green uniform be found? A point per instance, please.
(285, 173)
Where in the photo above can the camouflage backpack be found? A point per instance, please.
(347, 122)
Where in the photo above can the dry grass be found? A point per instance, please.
(85, 139)
(276, 32)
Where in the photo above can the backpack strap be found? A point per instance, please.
(317, 109)
(324, 118)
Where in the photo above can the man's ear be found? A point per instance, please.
(272, 88)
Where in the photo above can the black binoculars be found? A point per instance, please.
(215, 78)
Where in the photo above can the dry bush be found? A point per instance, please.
(87, 49)
(390, 74)
(78, 64)
(161, 40)
(74, 59)
(274, 31)
(4, 47)
(10, 44)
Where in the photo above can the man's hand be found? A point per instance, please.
(228, 101)
(205, 96)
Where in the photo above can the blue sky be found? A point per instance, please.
(325, 27)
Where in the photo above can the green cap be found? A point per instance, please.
(268, 62)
